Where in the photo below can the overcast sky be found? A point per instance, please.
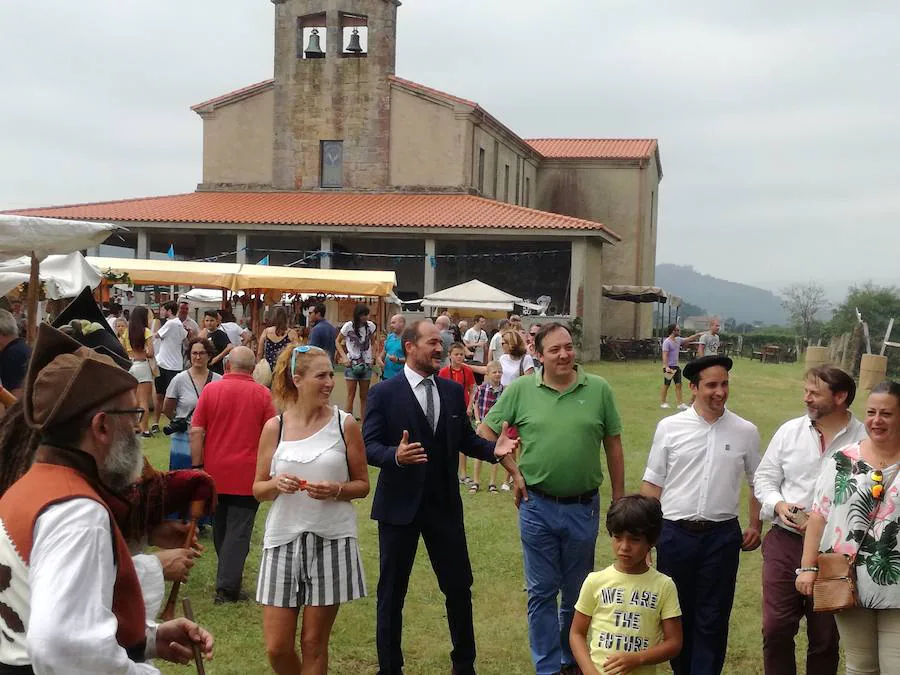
(778, 122)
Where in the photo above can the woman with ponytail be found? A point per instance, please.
(312, 463)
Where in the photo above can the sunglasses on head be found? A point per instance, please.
(303, 349)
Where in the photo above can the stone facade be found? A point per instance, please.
(339, 97)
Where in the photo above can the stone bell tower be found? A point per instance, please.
(333, 61)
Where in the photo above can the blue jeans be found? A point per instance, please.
(558, 542)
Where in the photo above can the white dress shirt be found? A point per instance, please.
(415, 381)
(698, 465)
(71, 628)
(790, 467)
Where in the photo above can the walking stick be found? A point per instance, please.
(197, 508)
(198, 657)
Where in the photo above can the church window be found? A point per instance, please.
(332, 170)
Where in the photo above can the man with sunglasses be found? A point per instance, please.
(225, 431)
(784, 485)
(71, 595)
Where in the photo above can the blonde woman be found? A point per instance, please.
(312, 463)
(515, 360)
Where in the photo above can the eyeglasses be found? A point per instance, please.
(303, 349)
(203, 353)
(877, 485)
(137, 412)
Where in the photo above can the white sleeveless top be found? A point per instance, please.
(320, 457)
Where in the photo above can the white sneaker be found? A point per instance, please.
(664, 405)
(683, 406)
(505, 487)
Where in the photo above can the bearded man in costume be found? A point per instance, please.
(70, 599)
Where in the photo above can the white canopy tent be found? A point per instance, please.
(477, 295)
(63, 276)
(38, 238)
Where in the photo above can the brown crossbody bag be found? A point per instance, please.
(834, 589)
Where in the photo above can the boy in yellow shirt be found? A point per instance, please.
(630, 609)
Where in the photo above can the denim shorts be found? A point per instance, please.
(367, 375)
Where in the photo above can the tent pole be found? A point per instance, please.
(34, 281)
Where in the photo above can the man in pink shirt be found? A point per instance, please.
(225, 434)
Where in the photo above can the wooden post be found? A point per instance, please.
(34, 282)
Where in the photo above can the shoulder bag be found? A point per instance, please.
(834, 589)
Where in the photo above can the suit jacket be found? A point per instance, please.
(392, 408)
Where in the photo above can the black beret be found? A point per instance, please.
(695, 367)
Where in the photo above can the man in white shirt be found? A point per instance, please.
(784, 485)
(191, 327)
(709, 341)
(115, 312)
(70, 593)
(494, 349)
(167, 346)
(476, 340)
(695, 468)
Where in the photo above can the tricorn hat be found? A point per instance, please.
(84, 308)
(66, 379)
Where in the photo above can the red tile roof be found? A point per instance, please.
(236, 95)
(594, 148)
(325, 209)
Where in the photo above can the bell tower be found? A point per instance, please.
(333, 61)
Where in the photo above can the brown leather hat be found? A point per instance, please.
(66, 380)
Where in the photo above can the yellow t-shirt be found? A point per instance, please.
(126, 342)
(627, 611)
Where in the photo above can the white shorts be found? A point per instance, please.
(311, 571)
(140, 370)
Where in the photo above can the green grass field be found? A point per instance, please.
(766, 394)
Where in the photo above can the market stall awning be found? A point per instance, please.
(472, 294)
(640, 294)
(235, 277)
(375, 283)
(170, 272)
(62, 276)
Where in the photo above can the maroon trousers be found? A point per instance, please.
(783, 608)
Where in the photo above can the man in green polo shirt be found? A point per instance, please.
(563, 416)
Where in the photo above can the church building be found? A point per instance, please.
(338, 162)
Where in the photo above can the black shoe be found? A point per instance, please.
(223, 597)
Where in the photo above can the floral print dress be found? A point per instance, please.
(844, 499)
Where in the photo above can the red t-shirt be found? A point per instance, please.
(464, 376)
(233, 411)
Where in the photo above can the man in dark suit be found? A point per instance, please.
(415, 426)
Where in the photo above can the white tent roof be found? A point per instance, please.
(473, 294)
(24, 235)
(63, 276)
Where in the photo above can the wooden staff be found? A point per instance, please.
(198, 656)
(197, 508)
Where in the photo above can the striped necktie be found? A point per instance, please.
(429, 402)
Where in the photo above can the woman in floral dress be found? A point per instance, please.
(856, 511)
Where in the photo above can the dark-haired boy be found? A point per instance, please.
(629, 605)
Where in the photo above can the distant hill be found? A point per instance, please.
(723, 298)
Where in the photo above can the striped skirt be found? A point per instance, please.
(311, 571)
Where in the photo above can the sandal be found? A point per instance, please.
(492, 488)
(473, 488)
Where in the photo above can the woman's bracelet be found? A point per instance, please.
(801, 570)
(338, 495)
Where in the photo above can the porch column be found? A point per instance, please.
(143, 245)
(325, 248)
(586, 293)
(240, 246)
(429, 286)
(93, 251)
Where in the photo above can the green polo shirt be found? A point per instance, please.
(561, 434)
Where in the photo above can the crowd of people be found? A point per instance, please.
(446, 391)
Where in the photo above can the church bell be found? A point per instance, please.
(314, 49)
(354, 47)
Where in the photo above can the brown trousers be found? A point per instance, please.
(783, 607)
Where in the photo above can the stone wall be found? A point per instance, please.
(339, 97)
